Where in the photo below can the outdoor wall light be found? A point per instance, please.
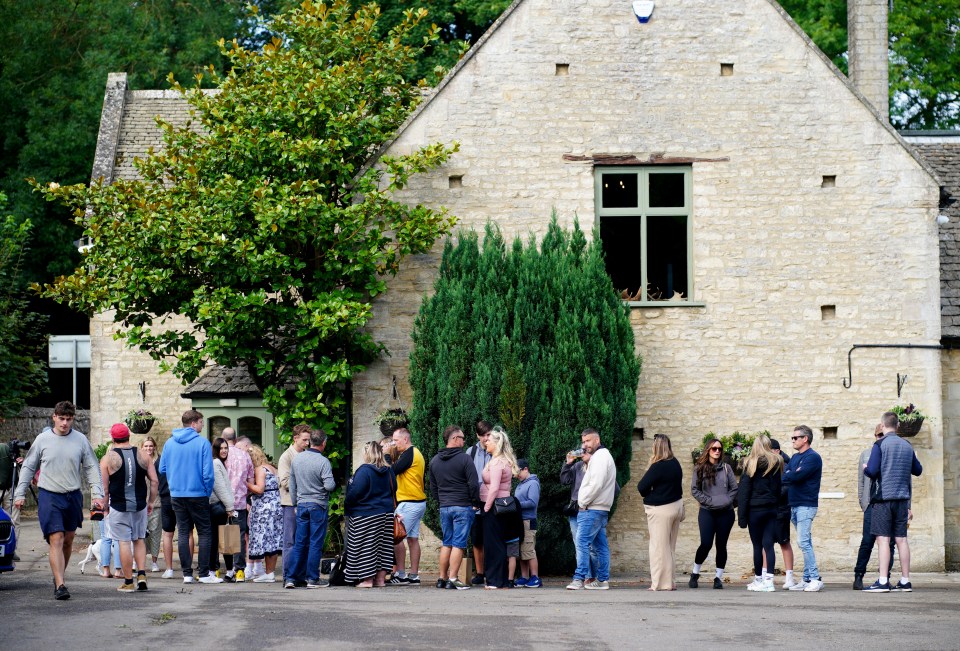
(942, 219)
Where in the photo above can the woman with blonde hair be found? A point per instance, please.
(662, 490)
(757, 506)
(368, 506)
(496, 476)
(154, 534)
(266, 518)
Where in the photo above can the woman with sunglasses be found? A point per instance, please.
(757, 506)
(714, 487)
(662, 490)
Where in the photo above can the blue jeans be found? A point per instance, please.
(455, 522)
(592, 572)
(592, 537)
(308, 543)
(802, 518)
(289, 534)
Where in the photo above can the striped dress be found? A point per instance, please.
(369, 545)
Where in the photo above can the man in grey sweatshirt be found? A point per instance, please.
(311, 482)
(60, 453)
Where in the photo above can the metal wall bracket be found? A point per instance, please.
(848, 382)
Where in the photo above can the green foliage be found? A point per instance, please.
(908, 414)
(924, 59)
(21, 345)
(736, 446)
(263, 226)
(537, 340)
(55, 58)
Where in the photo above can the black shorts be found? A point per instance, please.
(168, 519)
(889, 519)
(782, 532)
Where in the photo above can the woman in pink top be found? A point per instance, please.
(497, 476)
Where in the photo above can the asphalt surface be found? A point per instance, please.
(171, 615)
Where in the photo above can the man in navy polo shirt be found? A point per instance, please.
(802, 479)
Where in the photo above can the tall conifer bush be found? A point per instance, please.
(533, 338)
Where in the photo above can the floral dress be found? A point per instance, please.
(266, 520)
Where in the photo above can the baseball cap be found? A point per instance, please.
(119, 432)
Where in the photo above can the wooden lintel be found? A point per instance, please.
(631, 159)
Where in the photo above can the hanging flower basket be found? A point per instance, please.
(911, 420)
(391, 420)
(140, 421)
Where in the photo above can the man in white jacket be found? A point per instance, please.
(597, 492)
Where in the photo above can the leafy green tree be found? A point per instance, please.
(537, 340)
(21, 345)
(924, 55)
(265, 227)
(54, 60)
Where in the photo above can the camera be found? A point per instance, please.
(18, 448)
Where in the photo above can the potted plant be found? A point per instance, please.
(911, 419)
(390, 420)
(140, 421)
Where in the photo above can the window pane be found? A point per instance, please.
(666, 257)
(252, 428)
(666, 190)
(216, 425)
(619, 190)
(620, 237)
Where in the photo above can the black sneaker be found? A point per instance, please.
(878, 587)
(717, 583)
(478, 579)
(61, 593)
(399, 580)
(903, 587)
(413, 579)
(858, 582)
(693, 582)
(441, 584)
(229, 579)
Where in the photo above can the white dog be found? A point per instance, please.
(93, 553)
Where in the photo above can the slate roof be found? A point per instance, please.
(222, 382)
(941, 150)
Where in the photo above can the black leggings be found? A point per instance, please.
(714, 523)
(763, 527)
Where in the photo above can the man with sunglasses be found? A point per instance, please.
(867, 539)
(802, 479)
(453, 484)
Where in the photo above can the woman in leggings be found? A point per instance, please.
(757, 507)
(715, 489)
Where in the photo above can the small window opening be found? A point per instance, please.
(456, 181)
(563, 69)
(828, 312)
(829, 181)
(829, 432)
(726, 69)
(638, 433)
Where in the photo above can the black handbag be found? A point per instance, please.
(571, 509)
(505, 506)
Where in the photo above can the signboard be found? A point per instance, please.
(69, 351)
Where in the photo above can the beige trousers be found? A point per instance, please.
(663, 523)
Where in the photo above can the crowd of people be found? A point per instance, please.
(197, 485)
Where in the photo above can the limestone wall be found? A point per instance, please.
(772, 245)
(951, 458)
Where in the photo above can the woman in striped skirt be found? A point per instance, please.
(369, 509)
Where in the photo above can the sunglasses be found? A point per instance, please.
(716, 449)
(794, 438)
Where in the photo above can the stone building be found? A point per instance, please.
(759, 210)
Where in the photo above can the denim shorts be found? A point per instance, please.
(412, 513)
(455, 522)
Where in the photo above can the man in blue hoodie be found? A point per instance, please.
(187, 462)
(528, 494)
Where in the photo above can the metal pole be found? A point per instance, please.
(76, 353)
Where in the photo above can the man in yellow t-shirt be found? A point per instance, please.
(411, 505)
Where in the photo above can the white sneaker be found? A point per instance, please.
(755, 585)
(167, 574)
(265, 578)
(767, 586)
(815, 585)
(154, 568)
(789, 583)
(210, 578)
(188, 579)
(798, 586)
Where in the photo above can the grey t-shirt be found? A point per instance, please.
(63, 461)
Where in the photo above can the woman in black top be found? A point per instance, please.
(662, 490)
(757, 506)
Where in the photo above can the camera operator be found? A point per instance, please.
(11, 460)
(60, 452)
